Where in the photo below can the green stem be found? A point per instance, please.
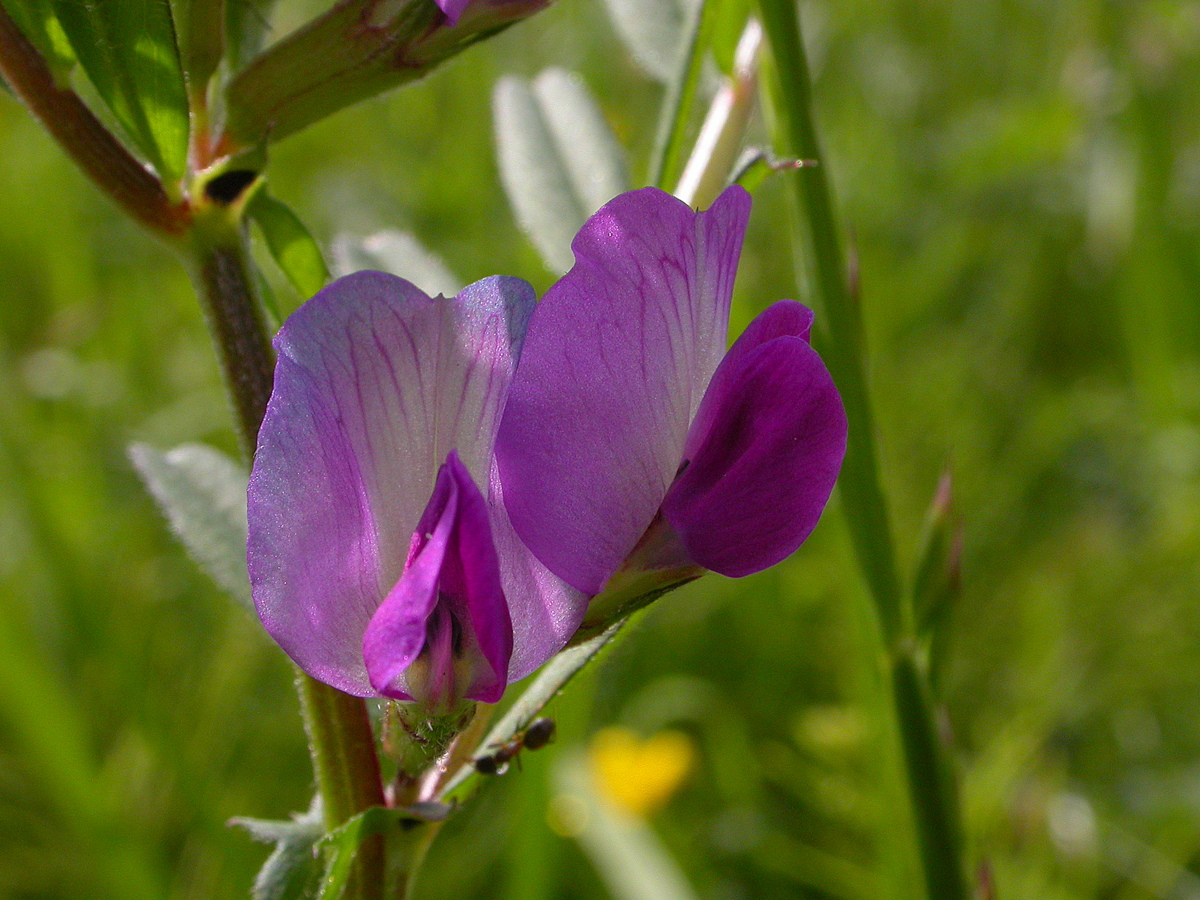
(221, 274)
(840, 335)
(100, 155)
(840, 339)
(929, 763)
(405, 866)
(338, 727)
(347, 770)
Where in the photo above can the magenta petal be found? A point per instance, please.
(784, 318)
(396, 633)
(763, 472)
(472, 586)
(616, 361)
(453, 9)
(453, 562)
(375, 384)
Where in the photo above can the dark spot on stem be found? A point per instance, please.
(228, 186)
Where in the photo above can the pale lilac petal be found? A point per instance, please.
(375, 384)
(618, 356)
(546, 611)
(312, 551)
(759, 480)
(397, 632)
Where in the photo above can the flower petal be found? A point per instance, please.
(397, 632)
(375, 384)
(453, 9)
(453, 562)
(618, 356)
(545, 610)
(763, 472)
(782, 318)
(472, 585)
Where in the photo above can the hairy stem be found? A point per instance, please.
(100, 155)
(222, 280)
(347, 770)
(928, 759)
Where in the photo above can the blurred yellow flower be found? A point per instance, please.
(639, 776)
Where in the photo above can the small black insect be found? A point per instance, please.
(495, 761)
(540, 733)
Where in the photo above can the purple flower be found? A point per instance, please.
(629, 427)
(381, 557)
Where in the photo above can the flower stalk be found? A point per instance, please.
(927, 758)
(339, 732)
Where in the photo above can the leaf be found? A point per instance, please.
(200, 30)
(553, 181)
(401, 826)
(292, 867)
(203, 494)
(40, 25)
(399, 253)
(290, 243)
(545, 687)
(651, 30)
(127, 48)
(937, 575)
(246, 26)
(594, 161)
(728, 24)
(757, 164)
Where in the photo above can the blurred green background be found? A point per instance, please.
(1021, 181)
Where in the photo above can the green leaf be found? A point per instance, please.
(558, 159)
(544, 688)
(200, 27)
(937, 576)
(127, 48)
(37, 21)
(399, 253)
(291, 246)
(402, 827)
(594, 161)
(291, 869)
(246, 24)
(730, 20)
(651, 30)
(757, 164)
(203, 494)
